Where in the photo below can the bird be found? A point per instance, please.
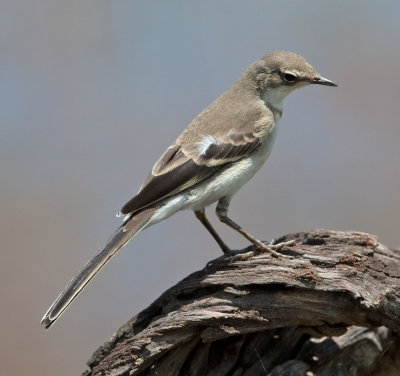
(217, 153)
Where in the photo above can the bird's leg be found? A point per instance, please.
(222, 211)
(201, 216)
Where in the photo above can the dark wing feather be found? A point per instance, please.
(219, 151)
(176, 171)
(162, 186)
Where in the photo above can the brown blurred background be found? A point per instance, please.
(84, 85)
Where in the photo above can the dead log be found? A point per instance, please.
(330, 307)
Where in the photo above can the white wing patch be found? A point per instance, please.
(205, 143)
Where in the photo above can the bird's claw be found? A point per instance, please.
(247, 253)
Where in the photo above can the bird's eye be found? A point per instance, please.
(289, 77)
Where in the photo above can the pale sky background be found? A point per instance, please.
(85, 86)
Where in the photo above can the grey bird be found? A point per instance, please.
(219, 151)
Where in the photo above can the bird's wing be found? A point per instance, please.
(191, 159)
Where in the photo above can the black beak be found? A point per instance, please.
(322, 81)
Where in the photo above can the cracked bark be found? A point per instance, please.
(331, 307)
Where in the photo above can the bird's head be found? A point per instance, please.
(279, 73)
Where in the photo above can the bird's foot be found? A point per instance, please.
(277, 246)
(272, 247)
(233, 255)
(245, 254)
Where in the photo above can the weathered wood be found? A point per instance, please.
(330, 307)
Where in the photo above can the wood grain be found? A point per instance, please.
(330, 306)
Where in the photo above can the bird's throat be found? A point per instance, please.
(273, 99)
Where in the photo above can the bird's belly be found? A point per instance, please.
(227, 183)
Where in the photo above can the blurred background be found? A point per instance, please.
(85, 85)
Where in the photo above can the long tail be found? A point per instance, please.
(120, 238)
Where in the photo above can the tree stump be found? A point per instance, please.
(329, 307)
